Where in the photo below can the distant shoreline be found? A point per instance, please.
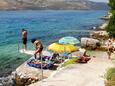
(52, 10)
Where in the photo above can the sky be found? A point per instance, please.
(100, 0)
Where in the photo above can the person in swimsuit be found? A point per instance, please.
(39, 47)
(84, 58)
(24, 38)
(110, 48)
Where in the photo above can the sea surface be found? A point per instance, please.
(47, 26)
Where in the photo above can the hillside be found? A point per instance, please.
(51, 4)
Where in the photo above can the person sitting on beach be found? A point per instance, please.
(83, 51)
(39, 47)
(84, 58)
(24, 38)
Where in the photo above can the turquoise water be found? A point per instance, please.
(48, 26)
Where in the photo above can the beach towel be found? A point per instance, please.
(51, 58)
(83, 59)
(38, 64)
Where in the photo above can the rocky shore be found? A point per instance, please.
(8, 81)
(26, 75)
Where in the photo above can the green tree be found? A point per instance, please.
(111, 26)
(112, 4)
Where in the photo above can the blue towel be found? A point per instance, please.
(47, 65)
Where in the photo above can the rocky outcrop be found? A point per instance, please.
(99, 35)
(103, 26)
(90, 43)
(107, 17)
(26, 74)
(4, 4)
(51, 4)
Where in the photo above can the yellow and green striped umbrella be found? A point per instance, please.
(56, 47)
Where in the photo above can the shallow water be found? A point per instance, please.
(48, 26)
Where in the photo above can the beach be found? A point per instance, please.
(89, 74)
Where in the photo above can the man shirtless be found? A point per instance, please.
(39, 47)
(24, 38)
(110, 48)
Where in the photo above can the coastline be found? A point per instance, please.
(99, 28)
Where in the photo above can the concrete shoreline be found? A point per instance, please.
(89, 74)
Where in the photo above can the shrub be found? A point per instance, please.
(111, 26)
(70, 61)
(112, 4)
(110, 74)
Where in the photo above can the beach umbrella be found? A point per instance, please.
(56, 47)
(69, 40)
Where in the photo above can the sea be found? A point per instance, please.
(46, 25)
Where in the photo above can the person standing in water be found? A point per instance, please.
(39, 47)
(24, 39)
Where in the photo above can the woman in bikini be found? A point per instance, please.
(39, 47)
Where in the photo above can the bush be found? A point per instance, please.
(70, 61)
(112, 4)
(111, 26)
(110, 74)
(110, 77)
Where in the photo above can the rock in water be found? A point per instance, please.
(8, 81)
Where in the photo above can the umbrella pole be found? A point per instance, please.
(70, 55)
(65, 51)
(41, 66)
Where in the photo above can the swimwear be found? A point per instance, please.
(40, 50)
(24, 40)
